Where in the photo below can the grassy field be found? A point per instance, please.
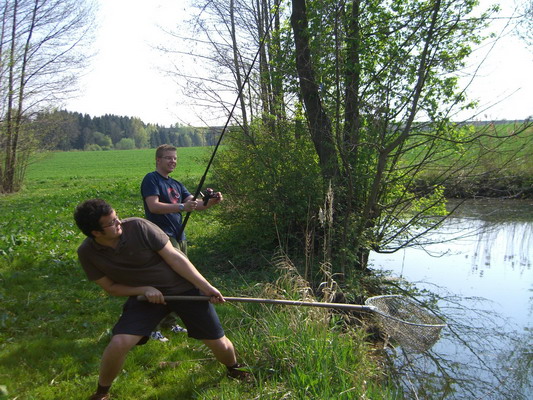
(54, 324)
(498, 164)
(124, 163)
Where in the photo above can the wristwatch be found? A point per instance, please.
(181, 207)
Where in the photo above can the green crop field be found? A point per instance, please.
(57, 181)
(118, 163)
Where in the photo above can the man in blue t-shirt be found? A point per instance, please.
(165, 198)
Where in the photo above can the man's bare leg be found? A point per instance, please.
(114, 357)
(223, 350)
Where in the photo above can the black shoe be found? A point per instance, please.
(240, 372)
(99, 396)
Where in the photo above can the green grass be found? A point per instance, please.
(66, 166)
(54, 324)
(497, 164)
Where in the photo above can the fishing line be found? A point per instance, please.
(230, 116)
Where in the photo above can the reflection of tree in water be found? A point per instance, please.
(498, 229)
(510, 241)
(522, 360)
(468, 362)
(514, 241)
(502, 224)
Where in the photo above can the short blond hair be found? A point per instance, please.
(164, 147)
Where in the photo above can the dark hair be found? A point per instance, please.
(164, 147)
(87, 215)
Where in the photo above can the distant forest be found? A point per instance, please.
(65, 130)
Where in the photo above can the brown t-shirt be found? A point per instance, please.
(135, 261)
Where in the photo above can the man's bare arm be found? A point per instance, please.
(181, 264)
(117, 289)
(157, 207)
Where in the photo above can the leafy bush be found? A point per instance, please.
(125, 144)
(93, 147)
(271, 185)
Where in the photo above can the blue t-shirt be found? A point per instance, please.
(169, 191)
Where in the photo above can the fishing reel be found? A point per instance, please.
(209, 194)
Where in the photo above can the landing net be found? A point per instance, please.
(411, 326)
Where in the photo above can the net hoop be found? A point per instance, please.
(410, 325)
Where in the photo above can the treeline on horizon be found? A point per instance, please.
(65, 131)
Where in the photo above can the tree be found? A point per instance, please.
(241, 56)
(125, 144)
(102, 140)
(374, 85)
(391, 106)
(40, 58)
(57, 130)
(140, 133)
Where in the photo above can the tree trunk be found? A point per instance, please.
(238, 68)
(2, 41)
(264, 73)
(352, 79)
(319, 122)
(277, 74)
(10, 155)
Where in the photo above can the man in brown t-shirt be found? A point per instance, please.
(134, 257)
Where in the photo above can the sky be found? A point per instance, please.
(125, 77)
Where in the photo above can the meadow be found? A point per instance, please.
(54, 323)
(498, 164)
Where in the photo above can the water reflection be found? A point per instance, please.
(479, 266)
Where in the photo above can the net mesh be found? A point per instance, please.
(410, 325)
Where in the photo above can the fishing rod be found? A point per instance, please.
(230, 116)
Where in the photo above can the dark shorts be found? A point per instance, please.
(141, 318)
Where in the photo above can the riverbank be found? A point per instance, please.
(495, 163)
(484, 186)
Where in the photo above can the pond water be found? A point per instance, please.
(479, 266)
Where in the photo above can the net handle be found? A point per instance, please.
(342, 306)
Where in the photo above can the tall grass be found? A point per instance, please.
(54, 324)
